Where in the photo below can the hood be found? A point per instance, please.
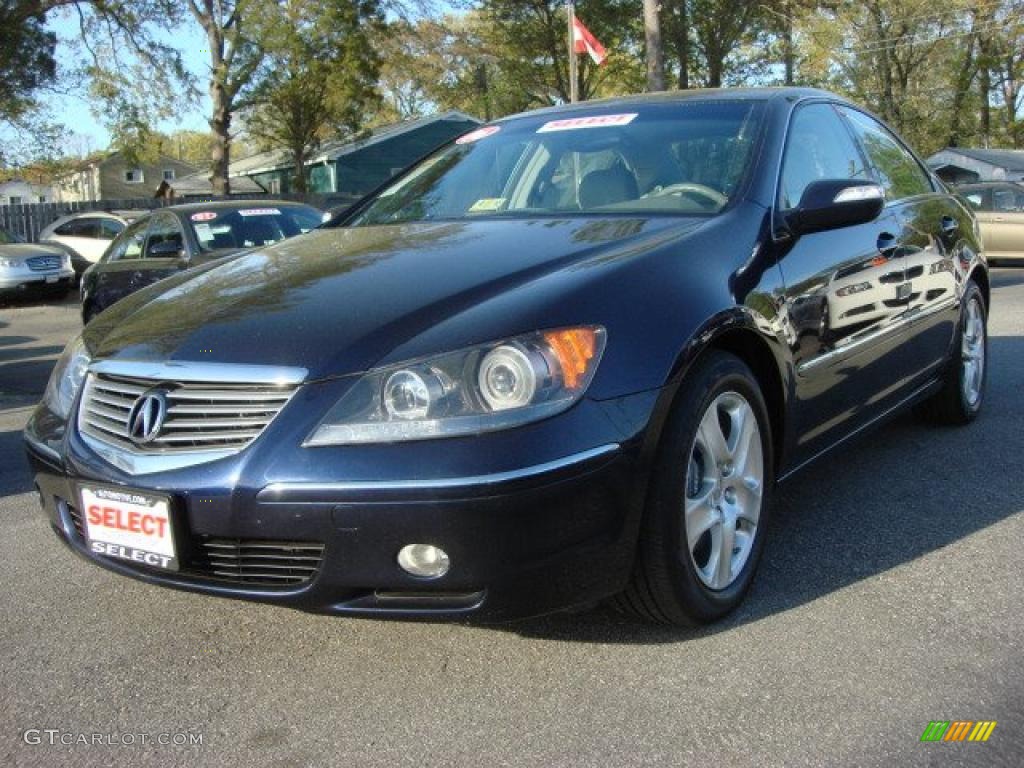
(336, 301)
(22, 251)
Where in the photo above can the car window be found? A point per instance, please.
(898, 172)
(165, 239)
(129, 244)
(110, 228)
(818, 147)
(250, 225)
(978, 199)
(683, 159)
(1008, 199)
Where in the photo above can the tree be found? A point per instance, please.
(320, 77)
(232, 30)
(652, 47)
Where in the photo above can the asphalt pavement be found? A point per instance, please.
(889, 596)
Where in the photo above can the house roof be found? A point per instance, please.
(275, 160)
(1010, 159)
(199, 184)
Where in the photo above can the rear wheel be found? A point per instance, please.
(963, 387)
(703, 529)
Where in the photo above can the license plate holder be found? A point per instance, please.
(128, 524)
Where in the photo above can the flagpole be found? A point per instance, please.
(573, 78)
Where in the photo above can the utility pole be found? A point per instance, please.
(652, 35)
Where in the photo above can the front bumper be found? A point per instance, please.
(523, 540)
(23, 278)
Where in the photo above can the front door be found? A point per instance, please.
(840, 304)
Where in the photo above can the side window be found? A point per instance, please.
(1008, 199)
(818, 147)
(129, 244)
(165, 237)
(110, 228)
(898, 172)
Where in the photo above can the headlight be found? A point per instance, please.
(480, 389)
(67, 378)
(8, 263)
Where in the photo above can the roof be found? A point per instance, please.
(273, 160)
(691, 94)
(215, 205)
(199, 184)
(1010, 159)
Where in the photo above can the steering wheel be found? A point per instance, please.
(691, 190)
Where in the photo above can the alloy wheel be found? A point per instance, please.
(724, 487)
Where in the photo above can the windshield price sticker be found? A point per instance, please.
(259, 212)
(479, 133)
(594, 121)
(203, 216)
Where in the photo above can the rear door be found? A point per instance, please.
(839, 313)
(929, 227)
(1003, 224)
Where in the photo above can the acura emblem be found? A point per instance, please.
(147, 416)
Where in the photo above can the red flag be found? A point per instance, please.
(585, 42)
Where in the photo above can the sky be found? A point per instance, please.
(86, 132)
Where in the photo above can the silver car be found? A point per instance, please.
(24, 266)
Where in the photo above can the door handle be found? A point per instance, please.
(887, 244)
(998, 218)
(949, 225)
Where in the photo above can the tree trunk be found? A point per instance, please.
(683, 42)
(220, 152)
(652, 37)
(788, 51)
(299, 160)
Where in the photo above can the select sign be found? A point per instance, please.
(130, 526)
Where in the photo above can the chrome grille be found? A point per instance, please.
(43, 263)
(253, 561)
(201, 416)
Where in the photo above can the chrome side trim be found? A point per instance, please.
(198, 371)
(851, 348)
(274, 491)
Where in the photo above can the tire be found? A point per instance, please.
(675, 578)
(963, 386)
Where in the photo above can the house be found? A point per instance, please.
(18, 191)
(960, 165)
(197, 186)
(346, 170)
(113, 177)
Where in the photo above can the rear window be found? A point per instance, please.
(251, 226)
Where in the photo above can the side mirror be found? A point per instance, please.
(835, 203)
(166, 249)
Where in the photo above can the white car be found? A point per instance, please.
(86, 235)
(28, 266)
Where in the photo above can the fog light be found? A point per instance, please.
(424, 560)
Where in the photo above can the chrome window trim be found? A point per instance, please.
(203, 372)
(275, 491)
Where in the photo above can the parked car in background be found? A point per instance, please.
(86, 235)
(170, 240)
(999, 206)
(26, 266)
(566, 357)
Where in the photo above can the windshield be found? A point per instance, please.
(684, 159)
(256, 225)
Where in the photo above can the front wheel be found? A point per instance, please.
(704, 526)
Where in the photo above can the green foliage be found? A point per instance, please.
(319, 78)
